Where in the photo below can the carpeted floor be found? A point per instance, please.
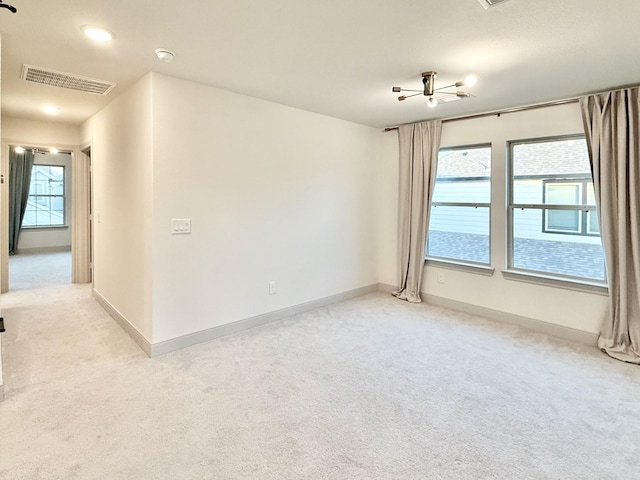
(37, 270)
(372, 388)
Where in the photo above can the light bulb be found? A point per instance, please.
(53, 150)
(432, 102)
(470, 80)
(19, 150)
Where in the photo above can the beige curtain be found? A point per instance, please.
(419, 145)
(612, 126)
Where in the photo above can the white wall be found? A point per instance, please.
(39, 134)
(121, 150)
(578, 310)
(58, 237)
(387, 208)
(273, 193)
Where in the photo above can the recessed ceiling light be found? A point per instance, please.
(98, 34)
(49, 110)
(164, 54)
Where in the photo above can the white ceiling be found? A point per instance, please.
(338, 58)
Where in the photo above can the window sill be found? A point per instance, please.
(557, 282)
(460, 266)
(51, 227)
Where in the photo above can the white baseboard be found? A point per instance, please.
(162, 348)
(167, 346)
(61, 248)
(553, 330)
(132, 331)
(386, 288)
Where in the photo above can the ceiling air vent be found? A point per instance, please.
(53, 78)
(490, 3)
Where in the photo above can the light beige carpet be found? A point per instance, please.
(372, 388)
(37, 270)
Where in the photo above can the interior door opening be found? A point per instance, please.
(55, 244)
(40, 219)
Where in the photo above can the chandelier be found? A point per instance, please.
(438, 95)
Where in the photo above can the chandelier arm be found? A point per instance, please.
(409, 96)
(441, 88)
(448, 93)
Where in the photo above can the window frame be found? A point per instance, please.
(469, 265)
(541, 275)
(63, 196)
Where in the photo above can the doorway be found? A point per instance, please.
(39, 217)
(67, 258)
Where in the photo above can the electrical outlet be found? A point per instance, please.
(440, 277)
(272, 288)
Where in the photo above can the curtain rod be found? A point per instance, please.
(45, 151)
(500, 112)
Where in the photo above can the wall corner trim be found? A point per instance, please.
(167, 346)
(120, 319)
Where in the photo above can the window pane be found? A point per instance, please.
(43, 217)
(57, 203)
(574, 255)
(29, 219)
(463, 175)
(591, 196)
(547, 160)
(42, 202)
(592, 222)
(459, 233)
(56, 218)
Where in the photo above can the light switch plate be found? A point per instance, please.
(180, 226)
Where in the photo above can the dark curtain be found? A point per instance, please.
(19, 179)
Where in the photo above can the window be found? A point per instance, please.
(553, 221)
(461, 205)
(45, 205)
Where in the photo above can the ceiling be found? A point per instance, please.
(338, 58)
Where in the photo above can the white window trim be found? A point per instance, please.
(545, 279)
(462, 266)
